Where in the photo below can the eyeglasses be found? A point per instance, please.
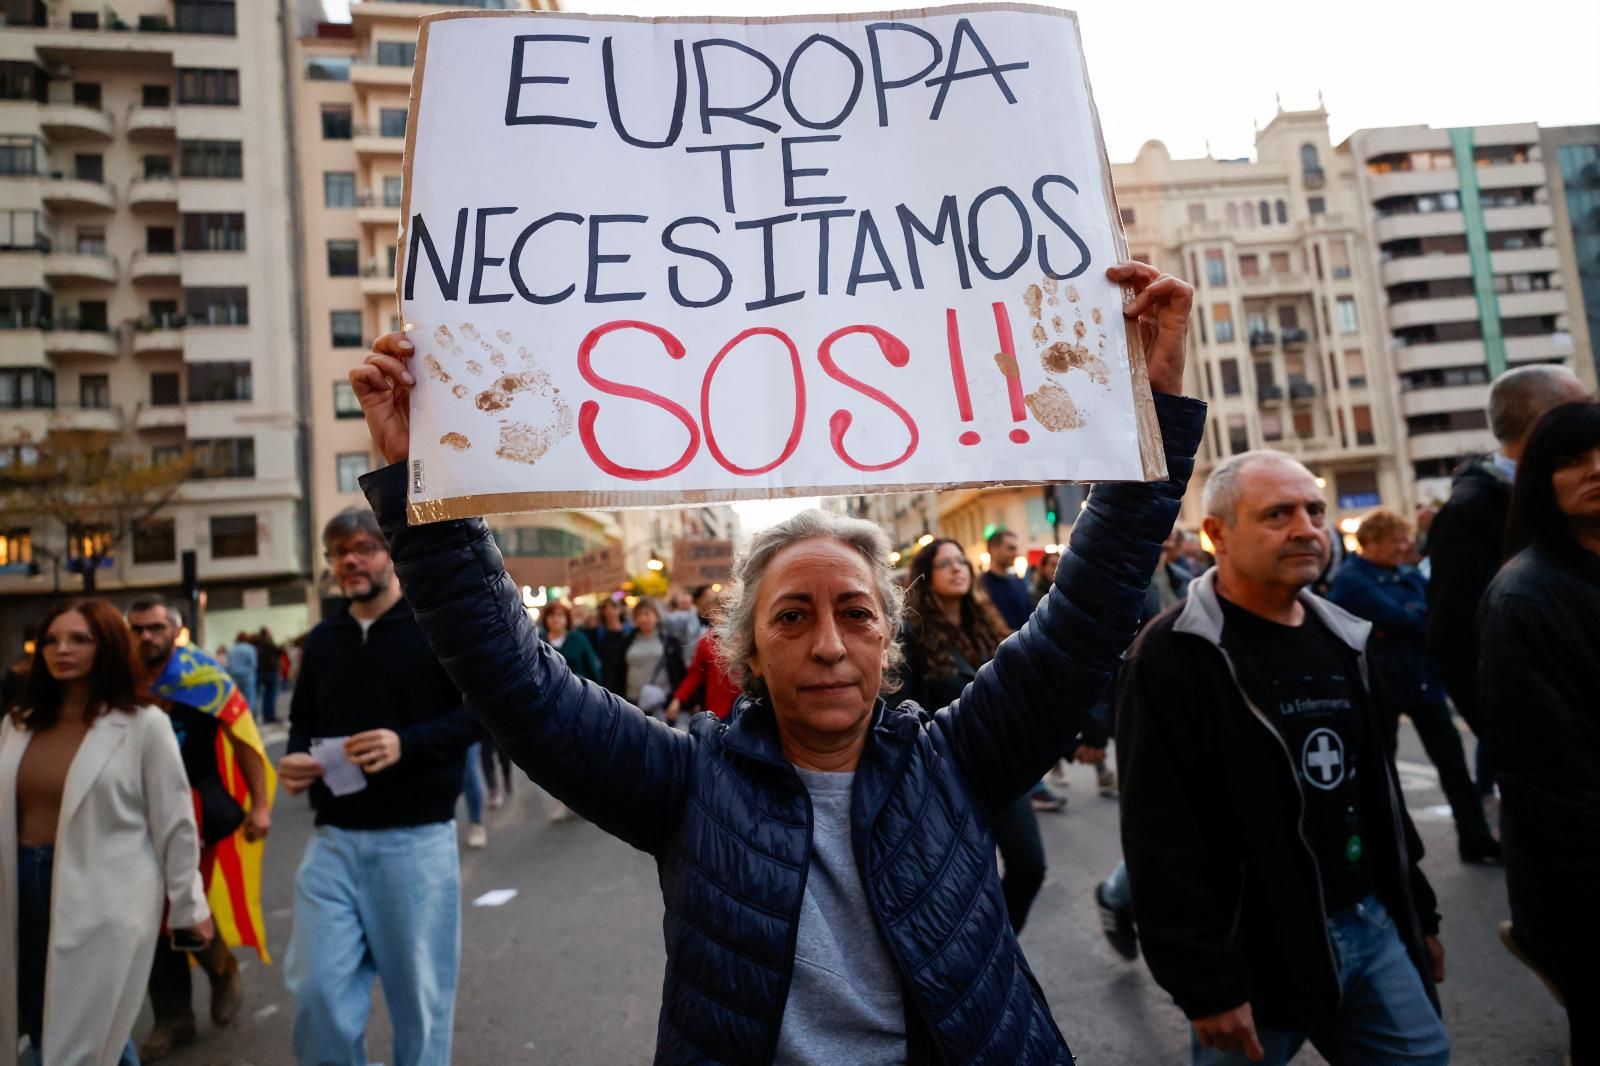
(364, 550)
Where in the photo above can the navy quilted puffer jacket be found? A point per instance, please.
(729, 821)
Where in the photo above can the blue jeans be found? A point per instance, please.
(1115, 889)
(1385, 1018)
(268, 690)
(35, 866)
(380, 903)
(472, 785)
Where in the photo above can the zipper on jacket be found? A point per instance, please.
(1300, 822)
(794, 923)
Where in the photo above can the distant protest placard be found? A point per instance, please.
(701, 561)
(600, 570)
(646, 262)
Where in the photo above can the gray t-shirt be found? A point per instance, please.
(644, 664)
(845, 1003)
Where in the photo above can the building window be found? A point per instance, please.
(336, 122)
(86, 544)
(164, 389)
(396, 53)
(1279, 262)
(1355, 368)
(338, 188)
(155, 540)
(27, 388)
(210, 159)
(1339, 258)
(344, 259)
(86, 94)
(23, 230)
(1363, 420)
(1238, 435)
(217, 306)
(94, 391)
(208, 231)
(21, 79)
(157, 168)
(1310, 165)
(1128, 217)
(233, 536)
(1271, 426)
(163, 315)
(1283, 213)
(91, 240)
(219, 382)
(89, 166)
(345, 404)
(205, 16)
(1249, 266)
(392, 122)
(208, 86)
(1230, 377)
(1357, 490)
(160, 240)
(84, 20)
(1197, 212)
(16, 549)
(1345, 312)
(1316, 205)
(394, 188)
(327, 68)
(1222, 320)
(1232, 213)
(1266, 213)
(155, 96)
(1303, 427)
(223, 457)
(346, 328)
(1216, 267)
(350, 467)
(24, 308)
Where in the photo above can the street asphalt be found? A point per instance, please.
(568, 970)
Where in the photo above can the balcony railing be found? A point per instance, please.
(1266, 392)
(1313, 178)
(1301, 390)
(1293, 338)
(1261, 338)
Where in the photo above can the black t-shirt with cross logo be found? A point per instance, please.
(1299, 677)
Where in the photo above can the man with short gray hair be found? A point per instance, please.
(1274, 871)
(1466, 542)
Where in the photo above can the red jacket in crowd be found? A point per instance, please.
(707, 673)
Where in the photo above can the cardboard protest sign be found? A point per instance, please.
(655, 261)
(697, 561)
(597, 570)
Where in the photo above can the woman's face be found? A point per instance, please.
(69, 647)
(1391, 551)
(556, 621)
(645, 620)
(611, 614)
(952, 576)
(1047, 567)
(1577, 486)
(821, 640)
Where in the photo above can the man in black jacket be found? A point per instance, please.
(1466, 542)
(378, 890)
(1272, 864)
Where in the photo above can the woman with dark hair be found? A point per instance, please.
(98, 833)
(950, 630)
(649, 662)
(1539, 679)
(1540, 684)
(610, 639)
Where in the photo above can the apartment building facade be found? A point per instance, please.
(1464, 243)
(147, 290)
(1572, 160)
(1286, 342)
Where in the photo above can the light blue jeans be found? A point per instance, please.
(472, 785)
(1385, 1018)
(1115, 888)
(384, 903)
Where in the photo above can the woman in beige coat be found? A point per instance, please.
(97, 833)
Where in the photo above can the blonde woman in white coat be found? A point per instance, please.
(97, 834)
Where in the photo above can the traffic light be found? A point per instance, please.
(1052, 507)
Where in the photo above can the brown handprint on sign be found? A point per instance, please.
(508, 393)
(1051, 403)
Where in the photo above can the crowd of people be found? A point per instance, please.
(826, 833)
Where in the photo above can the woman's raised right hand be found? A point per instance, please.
(382, 384)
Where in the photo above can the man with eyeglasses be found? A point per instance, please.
(377, 894)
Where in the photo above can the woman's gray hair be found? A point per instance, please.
(736, 633)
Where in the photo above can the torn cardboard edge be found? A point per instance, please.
(1152, 453)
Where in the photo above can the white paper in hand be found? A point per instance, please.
(340, 774)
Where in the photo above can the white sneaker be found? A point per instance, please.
(477, 836)
(562, 813)
(1107, 780)
(497, 799)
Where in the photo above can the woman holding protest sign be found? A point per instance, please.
(826, 857)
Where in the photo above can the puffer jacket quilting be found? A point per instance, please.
(729, 821)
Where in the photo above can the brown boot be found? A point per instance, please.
(227, 989)
(166, 1037)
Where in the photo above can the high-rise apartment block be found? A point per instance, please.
(1572, 159)
(1463, 239)
(147, 288)
(1287, 341)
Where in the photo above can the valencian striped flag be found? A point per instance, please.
(193, 678)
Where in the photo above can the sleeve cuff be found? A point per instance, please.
(385, 489)
(1182, 420)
